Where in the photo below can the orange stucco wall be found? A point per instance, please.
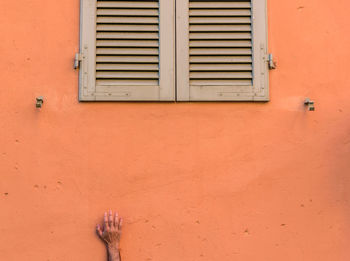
(194, 181)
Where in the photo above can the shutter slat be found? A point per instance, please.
(127, 43)
(126, 75)
(232, 36)
(127, 67)
(127, 59)
(127, 51)
(126, 20)
(220, 28)
(220, 75)
(220, 20)
(127, 4)
(127, 46)
(220, 12)
(107, 35)
(219, 4)
(220, 59)
(127, 28)
(220, 51)
(220, 43)
(221, 67)
(127, 12)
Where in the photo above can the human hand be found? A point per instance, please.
(111, 230)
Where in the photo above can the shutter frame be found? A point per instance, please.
(260, 51)
(257, 91)
(87, 78)
(89, 90)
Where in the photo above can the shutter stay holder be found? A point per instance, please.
(77, 60)
(271, 62)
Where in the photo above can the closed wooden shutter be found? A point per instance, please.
(222, 53)
(128, 50)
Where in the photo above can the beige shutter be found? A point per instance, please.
(222, 50)
(127, 50)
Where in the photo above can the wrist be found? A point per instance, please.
(113, 252)
(113, 247)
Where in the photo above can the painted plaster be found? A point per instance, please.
(194, 181)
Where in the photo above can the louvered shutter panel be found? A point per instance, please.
(222, 52)
(127, 50)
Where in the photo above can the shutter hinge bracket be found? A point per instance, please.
(77, 60)
(272, 64)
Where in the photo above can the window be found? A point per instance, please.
(128, 50)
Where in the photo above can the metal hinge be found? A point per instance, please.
(77, 60)
(272, 64)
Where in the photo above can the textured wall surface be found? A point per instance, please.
(194, 181)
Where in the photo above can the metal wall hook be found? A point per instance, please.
(39, 101)
(311, 104)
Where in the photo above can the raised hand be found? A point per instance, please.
(110, 234)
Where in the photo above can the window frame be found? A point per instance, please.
(173, 60)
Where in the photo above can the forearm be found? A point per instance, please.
(113, 254)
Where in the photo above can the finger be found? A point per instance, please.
(105, 218)
(116, 220)
(98, 230)
(120, 224)
(110, 219)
